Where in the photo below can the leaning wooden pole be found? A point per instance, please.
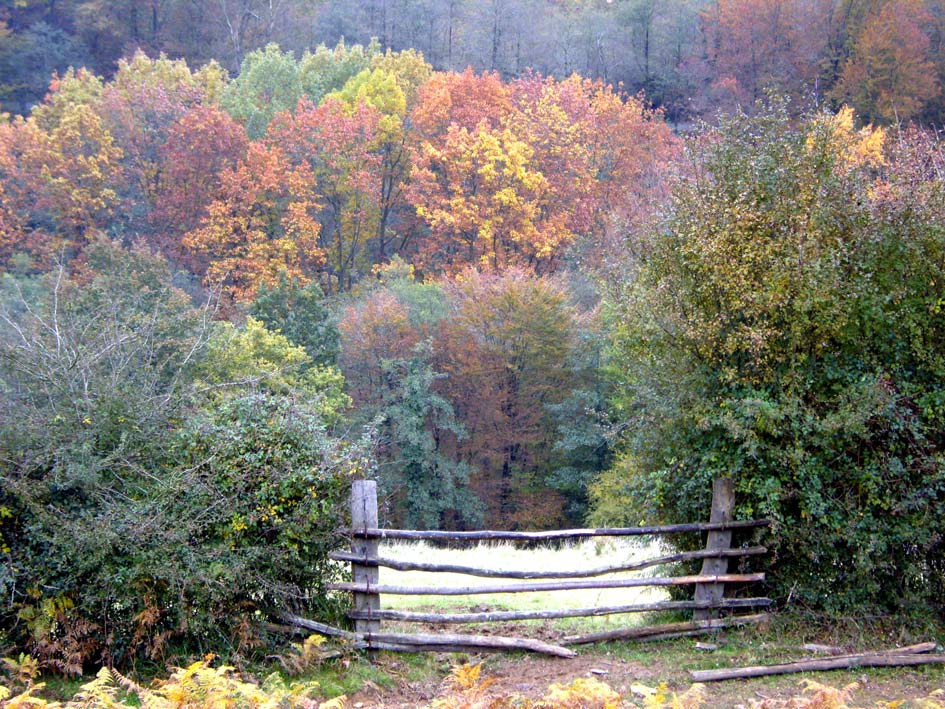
(723, 508)
(367, 601)
(875, 659)
(439, 642)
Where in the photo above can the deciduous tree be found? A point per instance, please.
(485, 203)
(265, 224)
(508, 349)
(890, 75)
(334, 145)
(771, 334)
(200, 146)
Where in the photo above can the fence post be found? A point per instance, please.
(723, 507)
(364, 516)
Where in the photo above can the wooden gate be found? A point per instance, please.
(712, 608)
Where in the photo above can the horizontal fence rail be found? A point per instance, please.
(539, 587)
(399, 565)
(556, 534)
(499, 616)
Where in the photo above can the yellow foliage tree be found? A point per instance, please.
(485, 203)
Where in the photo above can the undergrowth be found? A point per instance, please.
(198, 686)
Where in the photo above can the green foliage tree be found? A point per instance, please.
(272, 81)
(388, 358)
(267, 84)
(427, 488)
(776, 331)
(299, 313)
(326, 70)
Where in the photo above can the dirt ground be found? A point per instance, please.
(529, 676)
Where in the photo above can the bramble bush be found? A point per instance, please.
(785, 328)
(169, 482)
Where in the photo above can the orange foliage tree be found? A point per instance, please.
(140, 104)
(485, 203)
(752, 45)
(62, 170)
(264, 225)
(508, 348)
(374, 330)
(464, 100)
(602, 153)
(891, 75)
(548, 162)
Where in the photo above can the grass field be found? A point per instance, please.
(504, 556)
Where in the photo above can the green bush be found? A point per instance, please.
(785, 328)
(169, 483)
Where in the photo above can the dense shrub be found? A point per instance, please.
(785, 328)
(168, 482)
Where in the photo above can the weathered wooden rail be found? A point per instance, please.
(708, 604)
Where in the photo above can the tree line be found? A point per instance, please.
(690, 57)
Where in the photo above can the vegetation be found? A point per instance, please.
(513, 294)
(691, 58)
(168, 479)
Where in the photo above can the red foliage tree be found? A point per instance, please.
(201, 145)
(462, 100)
(506, 350)
(334, 144)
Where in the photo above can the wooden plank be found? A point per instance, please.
(501, 616)
(554, 534)
(665, 630)
(549, 586)
(401, 565)
(440, 640)
(364, 515)
(496, 642)
(353, 644)
(723, 507)
(878, 659)
(480, 649)
(320, 628)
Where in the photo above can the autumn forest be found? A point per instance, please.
(528, 264)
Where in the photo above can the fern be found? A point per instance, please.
(28, 700)
(470, 688)
(23, 670)
(582, 693)
(100, 693)
(336, 703)
(466, 676)
(661, 697)
(303, 656)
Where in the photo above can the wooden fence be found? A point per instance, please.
(708, 605)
